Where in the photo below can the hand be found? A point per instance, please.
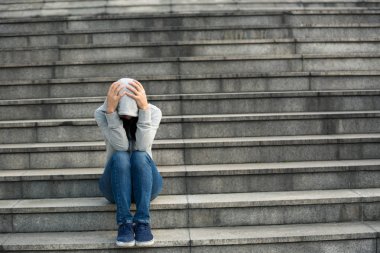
(113, 96)
(138, 94)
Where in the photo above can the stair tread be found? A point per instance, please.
(220, 200)
(356, 231)
(197, 118)
(64, 81)
(199, 142)
(230, 95)
(197, 42)
(199, 170)
(190, 28)
(241, 235)
(168, 8)
(201, 14)
(195, 59)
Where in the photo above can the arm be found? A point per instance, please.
(147, 125)
(112, 129)
(108, 120)
(149, 117)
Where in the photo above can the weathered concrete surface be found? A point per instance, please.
(297, 92)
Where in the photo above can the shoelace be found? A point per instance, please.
(142, 227)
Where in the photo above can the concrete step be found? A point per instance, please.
(201, 104)
(77, 53)
(57, 25)
(348, 237)
(200, 179)
(195, 84)
(183, 6)
(198, 151)
(192, 65)
(155, 2)
(200, 126)
(125, 7)
(198, 33)
(204, 210)
(6, 4)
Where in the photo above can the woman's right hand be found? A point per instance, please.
(113, 96)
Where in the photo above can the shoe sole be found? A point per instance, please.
(144, 244)
(125, 244)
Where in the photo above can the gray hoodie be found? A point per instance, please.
(112, 126)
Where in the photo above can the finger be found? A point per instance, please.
(118, 84)
(110, 88)
(141, 86)
(119, 88)
(131, 95)
(137, 87)
(133, 90)
(122, 94)
(113, 86)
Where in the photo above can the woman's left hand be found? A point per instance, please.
(139, 94)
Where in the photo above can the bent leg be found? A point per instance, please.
(157, 182)
(147, 184)
(117, 174)
(104, 183)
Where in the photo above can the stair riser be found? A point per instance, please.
(189, 21)
(330, 246)
(178, 6)
(74, 188)
(302, 126)
(157, 36)
(194, 86)
(163, 22)
(192, 156)
(189, 67)
(333, 246)
(97, 54)
(154, 9)
(183, 212)
(262, 215)
(202, 107)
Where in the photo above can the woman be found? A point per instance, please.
(129, 124)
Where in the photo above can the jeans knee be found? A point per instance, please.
(156, 190)
(107, 192)
(120, 157)
(139, 159)
(121, 161)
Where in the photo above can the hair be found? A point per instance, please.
(130, 126)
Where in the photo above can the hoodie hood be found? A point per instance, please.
(127, 105)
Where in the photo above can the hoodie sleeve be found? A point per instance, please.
(147, 125)
(112, 129)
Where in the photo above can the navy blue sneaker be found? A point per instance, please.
(125, 236)
(143, 234)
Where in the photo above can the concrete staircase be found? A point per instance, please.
(270, 140)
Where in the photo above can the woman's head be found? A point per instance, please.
(127, 110)
(127, 106)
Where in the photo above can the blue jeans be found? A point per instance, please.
(131, 178)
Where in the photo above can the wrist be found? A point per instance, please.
(110, 110)
(145, 107)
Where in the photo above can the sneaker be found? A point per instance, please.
(143, 235)
(125, 236)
